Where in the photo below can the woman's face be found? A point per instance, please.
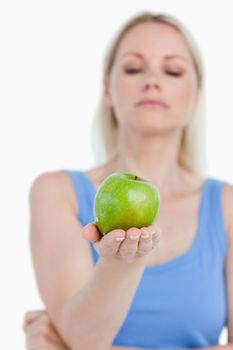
(152, 63)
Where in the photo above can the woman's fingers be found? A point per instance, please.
(129, 247)
(40, 340)
(149, 239)
(145, 243)
(109, 244)
(31, 316)
(156, 238)
(40, 332)
(125, 245)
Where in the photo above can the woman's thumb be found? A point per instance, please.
(91, 233)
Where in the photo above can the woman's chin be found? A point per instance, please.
(155, 128)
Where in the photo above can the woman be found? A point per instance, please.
(152, 291)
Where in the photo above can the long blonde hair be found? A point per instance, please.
(192, 154)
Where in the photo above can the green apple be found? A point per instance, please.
(125, 200)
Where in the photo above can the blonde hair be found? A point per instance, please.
(192, 154)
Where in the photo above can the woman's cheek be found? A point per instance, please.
(183, 95)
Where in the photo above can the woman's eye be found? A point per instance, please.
(132, 70)
(174, 73)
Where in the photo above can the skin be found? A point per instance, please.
(40, 332)
(148, 138)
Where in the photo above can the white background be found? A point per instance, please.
(50, 79)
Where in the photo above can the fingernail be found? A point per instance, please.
(133, 237)
(119, 238)
(145, 236)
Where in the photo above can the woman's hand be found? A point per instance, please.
(129, 246)
(40, 332)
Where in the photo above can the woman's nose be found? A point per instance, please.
(152, 81)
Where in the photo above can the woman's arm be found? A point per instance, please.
(94, 315)
(40, 333)
(86, 304)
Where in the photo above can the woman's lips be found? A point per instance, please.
(151, 103)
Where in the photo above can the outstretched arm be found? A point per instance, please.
(72, 289)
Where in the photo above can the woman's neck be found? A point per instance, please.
(155, 159)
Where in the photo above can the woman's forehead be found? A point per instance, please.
(152, 38)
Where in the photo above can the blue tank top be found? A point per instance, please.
(180, 303)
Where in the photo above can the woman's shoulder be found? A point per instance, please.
(228, 209)
(227, 206)
(55, 183)
(58, 183)
(55, 180)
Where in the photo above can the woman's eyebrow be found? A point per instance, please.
(176, 56)
(166, 57)
(133, 53)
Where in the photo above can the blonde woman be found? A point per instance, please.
(139, 289)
